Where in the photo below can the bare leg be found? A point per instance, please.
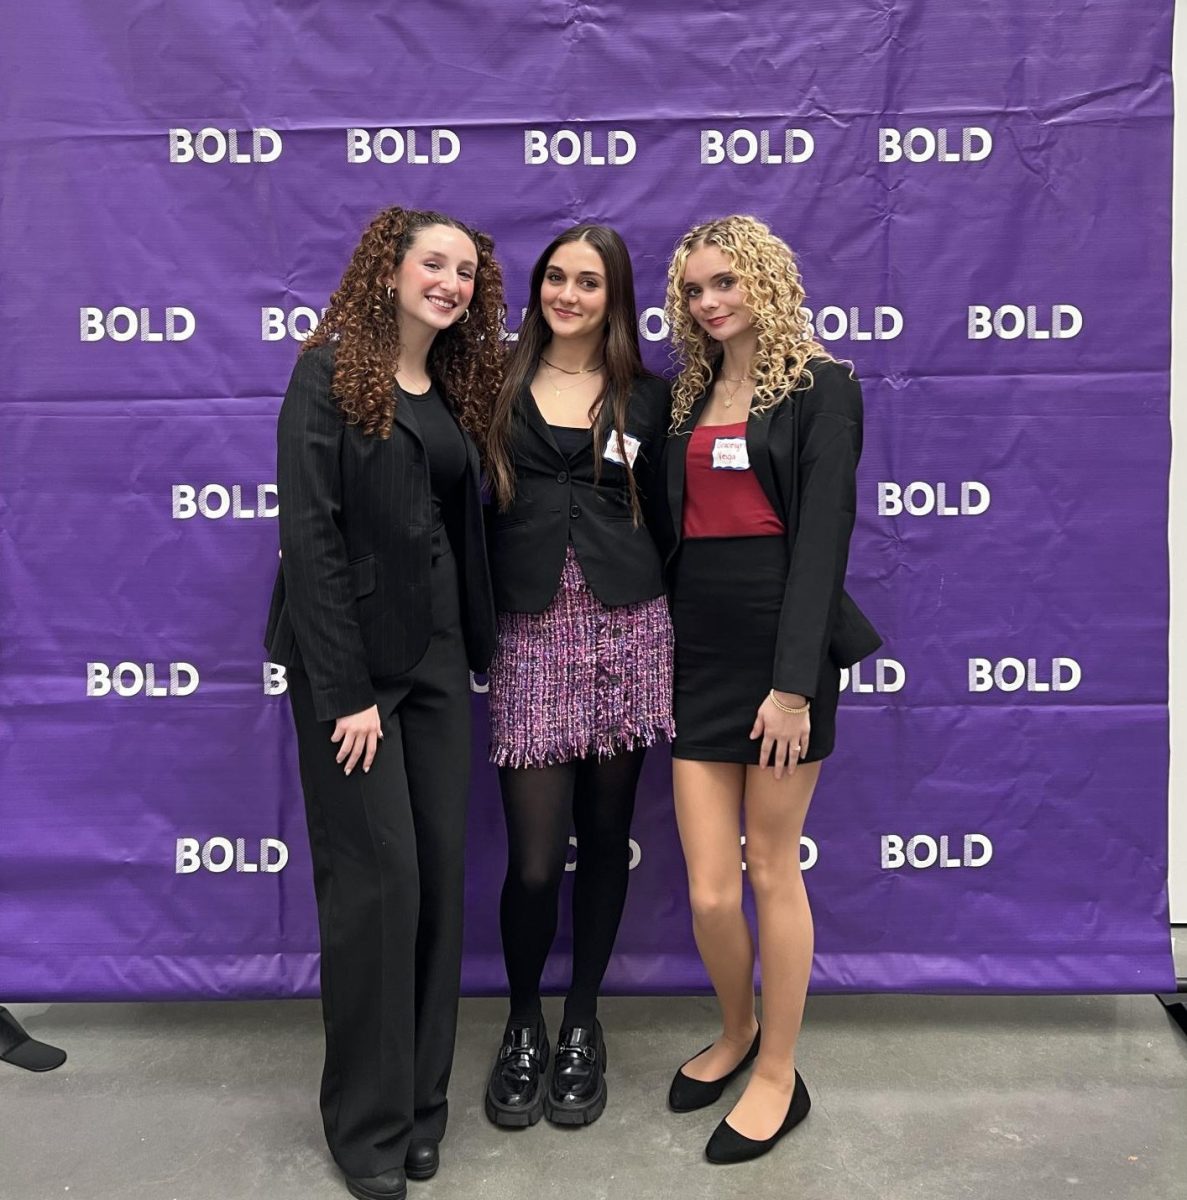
(708, 805)
(775, 812)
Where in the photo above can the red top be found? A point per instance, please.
(722, 497)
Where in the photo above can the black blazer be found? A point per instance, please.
(351, 601)
(804, 454)
(558, 499)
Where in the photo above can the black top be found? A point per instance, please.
(445, 449)
(558, 500)
(804, 454)
(352, 600)
(570, 439)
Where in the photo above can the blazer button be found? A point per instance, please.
(563, 477)
(575, 512)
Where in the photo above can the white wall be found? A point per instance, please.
(1178, 504)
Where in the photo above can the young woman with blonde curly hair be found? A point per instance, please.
(382, 602)
(760, 474)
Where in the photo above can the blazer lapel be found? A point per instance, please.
(535, 421)
(758, 450)
(406, 418)
(677, 458)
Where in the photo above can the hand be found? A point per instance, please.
(360, 734)
(785, 734)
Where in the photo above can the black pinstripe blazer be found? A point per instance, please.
(804, 454)
(352, 595)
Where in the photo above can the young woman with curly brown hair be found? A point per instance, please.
(760, 471)
(382, 601)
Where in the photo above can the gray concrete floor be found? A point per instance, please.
(914, 1097)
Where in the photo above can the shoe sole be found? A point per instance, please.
(420, 1174)
(586, 1114)
(362, 1193)
(514, 1118)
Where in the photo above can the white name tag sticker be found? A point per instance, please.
(614, 453)
(729, 454)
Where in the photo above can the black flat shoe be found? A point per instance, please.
(577, 1092)
(515, 1090)
(423, 1158)
(727, 1145)
(388, 1186)
(687, 1095)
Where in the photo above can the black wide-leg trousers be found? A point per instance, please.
(387, 851)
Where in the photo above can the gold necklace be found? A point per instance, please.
(729, 396)
(558, 391)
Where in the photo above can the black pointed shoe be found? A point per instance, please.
(727, 1145)
(515, 1090)
(577, 1093)
(687, 1095)
(423, 1158)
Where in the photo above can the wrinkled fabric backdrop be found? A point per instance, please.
(981, 202)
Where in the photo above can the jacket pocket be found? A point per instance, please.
(363, 574)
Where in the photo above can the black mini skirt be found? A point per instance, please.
(727, 595)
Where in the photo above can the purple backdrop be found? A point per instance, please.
(997, 266)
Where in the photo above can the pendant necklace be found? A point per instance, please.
(729, 395)
(584, 371)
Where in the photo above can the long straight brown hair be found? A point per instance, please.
(624, 362)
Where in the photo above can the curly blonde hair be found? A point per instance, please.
(363, 322)
(769, 278)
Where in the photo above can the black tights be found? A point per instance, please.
(596, 797)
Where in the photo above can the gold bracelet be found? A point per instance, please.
(795, 712)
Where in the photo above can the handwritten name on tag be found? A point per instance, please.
(729, 454)
(614, 452)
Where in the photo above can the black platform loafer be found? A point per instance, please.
(727, 1145)
(577, 1093)
(687, 1095)
(388, 1186)
(515, 1090)
(423, 1158)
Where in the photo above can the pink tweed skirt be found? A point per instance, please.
(580, 678)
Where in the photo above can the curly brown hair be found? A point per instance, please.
(362, 321)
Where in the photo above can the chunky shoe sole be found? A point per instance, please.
(570, 1114)
(420, 1174)
(578, 1114)
(518, 1117)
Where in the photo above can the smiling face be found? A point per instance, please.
(573, 291)
(715, 300)
(434, 282)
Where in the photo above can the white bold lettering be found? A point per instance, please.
(187, 860)
(98, 679)
(181, 146)
(275, 680)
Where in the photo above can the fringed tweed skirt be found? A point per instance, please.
(580, 678)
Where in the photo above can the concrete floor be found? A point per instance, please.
(914, 1098)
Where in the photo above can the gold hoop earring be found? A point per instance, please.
(388, 289)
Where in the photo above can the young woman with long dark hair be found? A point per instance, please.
(581, 681)
(382, 602)
(761, 488)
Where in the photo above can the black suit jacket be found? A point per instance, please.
(804, 454)
(558, 499)
(351, 601)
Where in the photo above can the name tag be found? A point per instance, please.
(729, 454)
(630, 445)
